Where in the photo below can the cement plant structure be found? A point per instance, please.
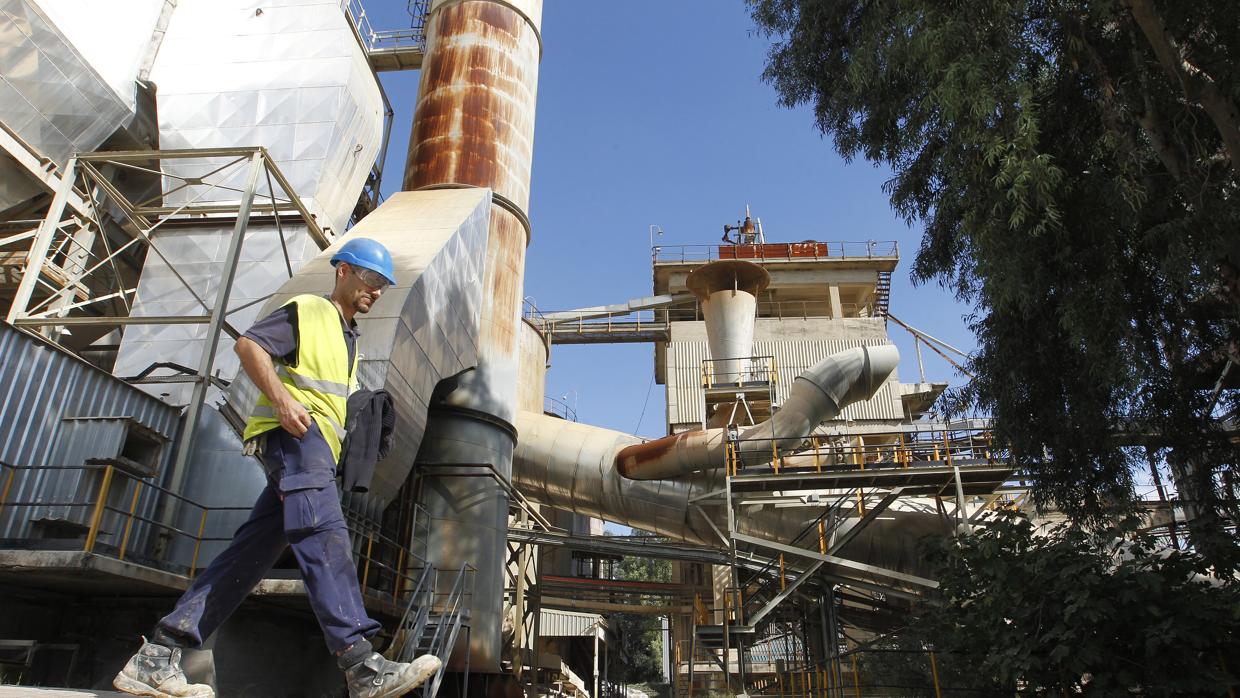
(173, 171)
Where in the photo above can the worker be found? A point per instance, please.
(303, 359)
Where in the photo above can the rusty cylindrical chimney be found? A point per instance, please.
(474, 126)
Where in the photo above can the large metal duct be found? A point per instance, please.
(728, 293)
(817, 395)
(474, 127)
(571, 466)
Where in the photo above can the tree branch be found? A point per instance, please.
(1196, 84)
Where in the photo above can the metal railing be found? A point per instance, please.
(433, 620)
(558, 408)
(116, 522)
(389, 39)
(739, 372)
(659, 319)
(780, 251)
(899, 450)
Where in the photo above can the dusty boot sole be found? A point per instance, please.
(407, 682)
(125, 684)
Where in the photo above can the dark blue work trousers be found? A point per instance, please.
(299, 508)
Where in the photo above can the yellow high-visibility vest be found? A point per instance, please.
(323, 377)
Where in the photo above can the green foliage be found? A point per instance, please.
(1079, 193)
(637, 652)
(1097, 613)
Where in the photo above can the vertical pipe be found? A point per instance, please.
(474, 126)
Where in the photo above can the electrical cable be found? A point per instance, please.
(644, 404)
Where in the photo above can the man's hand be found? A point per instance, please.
(257, 364)
(293, 417)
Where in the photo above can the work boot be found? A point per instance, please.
(376, 677)
(156, 671)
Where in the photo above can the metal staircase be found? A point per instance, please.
(882, 294)
(432, 623)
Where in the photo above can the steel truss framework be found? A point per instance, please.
(780, 617)
(71, 276)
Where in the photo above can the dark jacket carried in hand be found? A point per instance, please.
(368, 427)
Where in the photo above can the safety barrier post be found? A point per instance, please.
(782, 579)
(822, 537)
(8, 485)
(97, 518)
(817, 461)
(856, 675)
(133, 507)
(370, 544)
(202, 526)
(400, 574)
(934, 674)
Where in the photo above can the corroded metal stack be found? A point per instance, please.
(474, 127)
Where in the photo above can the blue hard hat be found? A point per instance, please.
(367, 254)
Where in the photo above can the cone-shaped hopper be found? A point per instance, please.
(728, 291)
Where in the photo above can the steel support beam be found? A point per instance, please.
(215, 324)
(839, 562)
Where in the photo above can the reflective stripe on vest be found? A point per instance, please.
(269, 411)
(307, 383)
(321, 380)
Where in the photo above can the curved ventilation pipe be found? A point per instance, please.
(817, 395)
(728, 293)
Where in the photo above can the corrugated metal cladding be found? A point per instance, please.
(553, 623)
(684, 377)
(40, 388)
(41, 385)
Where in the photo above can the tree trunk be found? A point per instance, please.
(1194, 484)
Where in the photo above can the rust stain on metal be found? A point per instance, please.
(504, 280)
(631, 461)
(474, 121)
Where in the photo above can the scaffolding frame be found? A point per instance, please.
(857, 481)
(62, 260)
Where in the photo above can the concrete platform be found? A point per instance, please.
(26, 692)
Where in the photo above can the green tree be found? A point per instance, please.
(636, 655)
(1067, 610)
(1073, 166)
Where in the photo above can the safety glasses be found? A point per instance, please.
(372, 279)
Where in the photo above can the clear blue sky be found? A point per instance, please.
(653, 112)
